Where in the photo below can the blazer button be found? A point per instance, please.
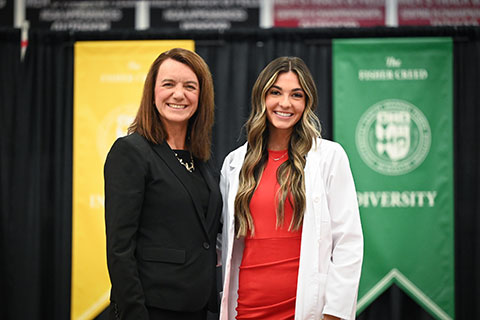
(206, 245)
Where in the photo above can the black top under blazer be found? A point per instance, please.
(160, 245)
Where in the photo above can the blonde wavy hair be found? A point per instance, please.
(290, 174)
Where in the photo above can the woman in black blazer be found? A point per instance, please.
(162, 202)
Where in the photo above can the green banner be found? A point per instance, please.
(393, 113)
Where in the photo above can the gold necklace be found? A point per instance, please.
(283, 155)
(189, 166)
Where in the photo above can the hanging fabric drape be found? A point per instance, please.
(9, 76)
(38, 215)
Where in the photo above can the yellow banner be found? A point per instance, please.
(108, 83)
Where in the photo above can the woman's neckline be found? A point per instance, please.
(277, 151)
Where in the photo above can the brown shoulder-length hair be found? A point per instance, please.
(199, 133)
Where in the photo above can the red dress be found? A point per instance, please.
(269, 268)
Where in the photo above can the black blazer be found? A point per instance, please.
(160, 245)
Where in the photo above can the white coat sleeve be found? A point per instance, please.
(223, 191)
(347, 248)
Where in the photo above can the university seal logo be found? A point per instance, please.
(393, 137)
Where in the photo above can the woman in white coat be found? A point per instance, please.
(292, 243)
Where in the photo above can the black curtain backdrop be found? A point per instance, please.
(36, 203)
(36, 105)
(9, 75)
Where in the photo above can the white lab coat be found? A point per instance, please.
(332, 242)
